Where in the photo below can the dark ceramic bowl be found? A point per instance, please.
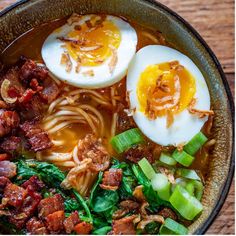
(25, 14)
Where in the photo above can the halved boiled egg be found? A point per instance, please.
(168, 94)
(90, 51)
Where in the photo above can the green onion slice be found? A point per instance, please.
(147, 168)
(198, 189)
(161, 184)
(168, 160)
(188, 174)
(126, 140)
(171, 227)
(187, 205)
(183, 158)
(195, 143)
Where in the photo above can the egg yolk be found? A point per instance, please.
(165, 87)
(96, 40)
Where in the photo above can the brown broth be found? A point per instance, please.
(30, 44)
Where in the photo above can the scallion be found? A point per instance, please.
(147, 168)
(161, 184)
(198, 189)
(171, 227)
(188, 174)
(183, 158)
(187, 205)
(126, 140)
(195, 143)
(168, 160)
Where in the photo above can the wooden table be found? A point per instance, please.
(214, 20)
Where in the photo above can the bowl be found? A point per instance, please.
(24, 15)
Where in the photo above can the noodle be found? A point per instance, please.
(69, 109)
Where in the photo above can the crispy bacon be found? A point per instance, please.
(36, 226)
(4, 156)
(149, 219)
(124, 226)
(30, 70)
(50, 205)
(54, 221)
(50, 90)
(71, 221)
(4, 181)
(35, 183)
(83, 228)
(15, 195)
(7, 169)
(37, 138)
(10, 144)
(168, 213)
(137, 152)
(9, 120)
(111, 179)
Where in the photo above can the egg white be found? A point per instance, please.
(185, 125)
(52, 51)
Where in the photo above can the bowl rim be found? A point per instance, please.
(221, 200)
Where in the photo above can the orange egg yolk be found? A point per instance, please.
(95, 41)
(165, 87)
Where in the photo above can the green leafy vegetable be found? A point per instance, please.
(105, 200)
(102, 231)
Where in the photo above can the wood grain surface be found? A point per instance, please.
(214, 20)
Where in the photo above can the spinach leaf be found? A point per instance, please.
(99, 221)
(108, 214)
(102, 231)
(105, 200)
(50, 174)
(128, 182)
(95, 189)
(71, 205)
(24, 172)
(152, 228)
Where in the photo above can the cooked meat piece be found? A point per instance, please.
(20, 215)
(137, 152)
(34, 84)
(55, 221)
(10, 144)
(31, 70)
(129, 204)
(71, 221)
(4, 156)
(16, 88)
(124, 122)
(9, 120)
(26, 96)
(35, 226)
(50, 90)
(124, 226)
(33, 109)
(7, 169)
(83, 228)
(3, 105)
(168, 213)
(4, 181)
(111, 179)
(15, 195)
(50, 205)
(91, 147)
(35, 183)
(37, 138)
(126, 207)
